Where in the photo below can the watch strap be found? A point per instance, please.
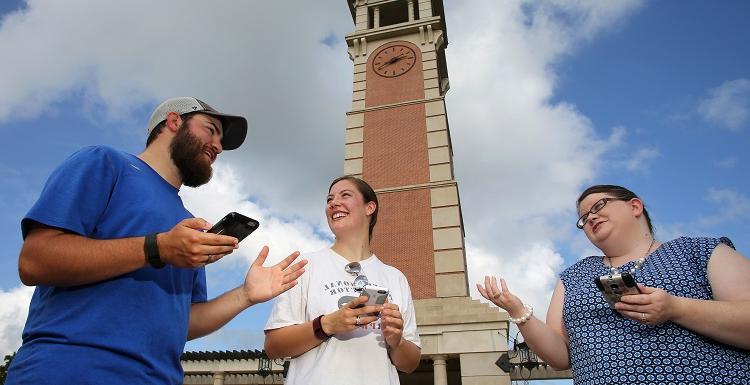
(318, 329)
(151, 249)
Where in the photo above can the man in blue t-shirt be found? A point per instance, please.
(119, 263)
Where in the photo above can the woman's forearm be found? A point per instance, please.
(546, 343)
(290, 341)
(406, 356)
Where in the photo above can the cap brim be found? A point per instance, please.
(235, 129)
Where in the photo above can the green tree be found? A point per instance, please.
(4, 367)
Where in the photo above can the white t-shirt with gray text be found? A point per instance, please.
(358, 357)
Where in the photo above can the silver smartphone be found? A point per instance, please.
(615, 286)
(376, 295)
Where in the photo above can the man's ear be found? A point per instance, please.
(173, 122)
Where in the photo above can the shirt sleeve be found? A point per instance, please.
(289, 307)
(200, 292)
(76, 193)
(410, 332)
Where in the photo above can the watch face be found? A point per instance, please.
(394, 61)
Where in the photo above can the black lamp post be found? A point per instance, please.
(526, 358)
(264, 366)
(285, 363)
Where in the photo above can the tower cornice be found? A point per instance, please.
(394, 105)
(415, 26)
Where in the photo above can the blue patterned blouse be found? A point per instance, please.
(607, 348)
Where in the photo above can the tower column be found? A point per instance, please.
(439, 370)
(376, 17)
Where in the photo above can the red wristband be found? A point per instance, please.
(318, 329)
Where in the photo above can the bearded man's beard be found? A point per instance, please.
(187, 154)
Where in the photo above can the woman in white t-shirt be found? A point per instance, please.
(318, 323)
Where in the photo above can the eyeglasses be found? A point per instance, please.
(595, 209)
(355, 269)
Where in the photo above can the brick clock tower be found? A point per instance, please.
(397, 139)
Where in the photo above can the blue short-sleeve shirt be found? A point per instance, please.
(127, 329)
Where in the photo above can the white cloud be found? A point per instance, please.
(530, 272)
(728, 105)
(728, 162)
(732, 205)
(255, 58)
(13, 315)
(638, 161)
(520, 158)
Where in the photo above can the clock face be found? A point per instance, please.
(394, 61)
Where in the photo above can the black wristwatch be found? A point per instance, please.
(151, 249)
(318, 329)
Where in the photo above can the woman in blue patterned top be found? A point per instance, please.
(689, 325)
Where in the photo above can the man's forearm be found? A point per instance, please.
(54, 258)
(207, 317)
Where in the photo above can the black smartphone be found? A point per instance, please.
(235, 225)
(615, 286)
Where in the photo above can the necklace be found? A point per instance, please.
(637, 264)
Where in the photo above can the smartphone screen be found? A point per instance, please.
(236, 225)
(615, 286)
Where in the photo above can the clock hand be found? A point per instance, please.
(392, 60)
(389, 62)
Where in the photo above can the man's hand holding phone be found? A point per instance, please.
(183, 246)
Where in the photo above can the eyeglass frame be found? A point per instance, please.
(584, 218)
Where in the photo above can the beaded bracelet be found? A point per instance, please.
(522, 319)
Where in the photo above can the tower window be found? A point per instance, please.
(391, 13)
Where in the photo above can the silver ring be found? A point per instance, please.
(209, 259)
(356, 321)
(643, 317)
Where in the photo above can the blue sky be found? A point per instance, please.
(545, 100)
(651, 76)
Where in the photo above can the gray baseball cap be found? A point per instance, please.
(235, 127)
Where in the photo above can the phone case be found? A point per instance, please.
(615, 286)
(236, 225)
(376, 295)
